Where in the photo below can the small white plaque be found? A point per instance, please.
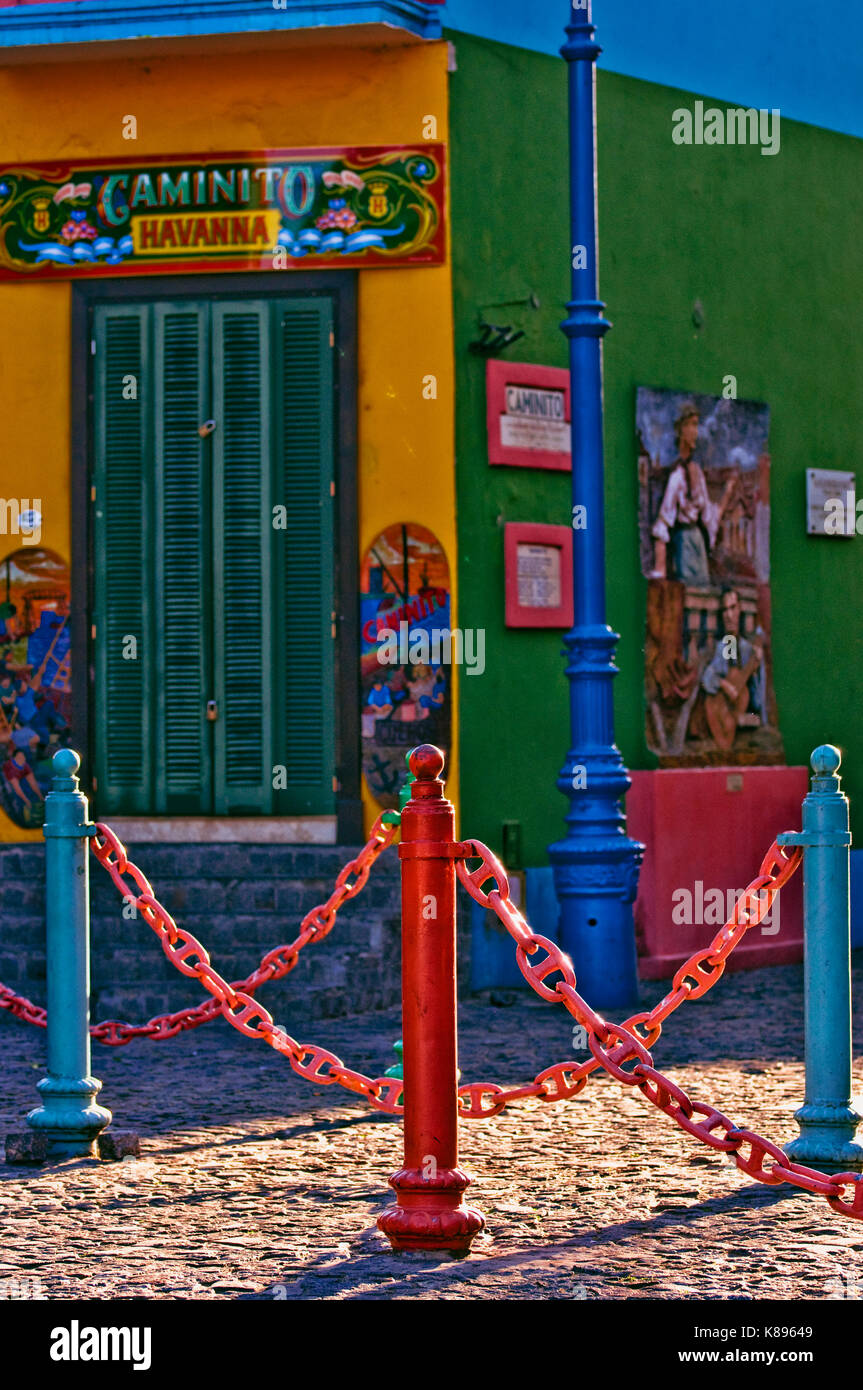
(538, 576)
(535, 418)
(522, 432)
(831, 508)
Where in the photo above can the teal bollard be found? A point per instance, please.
(407, 786)
(828, 1118)
(398, 1070)
(68, 1118)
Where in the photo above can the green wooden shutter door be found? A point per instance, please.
(122, 521)
(222, 604)
(242, 549)
(181, 559)
(305, 665)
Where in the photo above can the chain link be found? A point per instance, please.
(613, 1045)
(280, 961)
(277, 963)
(691, 981)
(23, 1008)
(234, 1002)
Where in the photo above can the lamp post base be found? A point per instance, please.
(595, 889)
(70, 1121)
(596, 864)
(430, 1213)
(826, 1139)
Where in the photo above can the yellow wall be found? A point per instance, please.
(406, 446)
(222, 103)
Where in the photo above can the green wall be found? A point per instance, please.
(771, 248)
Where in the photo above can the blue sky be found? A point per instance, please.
(803, 56)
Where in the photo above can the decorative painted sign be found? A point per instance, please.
(527, 413)
(538, 568)
(406, 654)
(34, 679)
(372, 206)
(704, 528)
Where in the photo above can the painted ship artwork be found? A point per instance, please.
(404, 660)
(704, 526)
(375, 206)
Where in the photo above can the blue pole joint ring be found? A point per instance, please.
(68, 832)
(814, 837)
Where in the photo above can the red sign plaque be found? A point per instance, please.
(538, 566)
(528, 415)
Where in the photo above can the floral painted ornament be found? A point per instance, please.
(77, 228)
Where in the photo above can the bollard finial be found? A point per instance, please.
(426, 762)
(826, 760)
(65, 762)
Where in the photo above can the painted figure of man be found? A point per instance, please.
(686, 512)
(732, 680)
(380, 701)
(16, 770)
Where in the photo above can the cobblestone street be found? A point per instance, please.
(255, 1185)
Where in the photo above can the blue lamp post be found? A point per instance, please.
(595, 865)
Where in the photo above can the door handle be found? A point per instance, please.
(212, 711)
(207, 428)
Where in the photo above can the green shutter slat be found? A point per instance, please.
(181, 559)
(242, 530)
(121, 523)
(306, 678)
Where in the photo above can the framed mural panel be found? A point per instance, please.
(35, 689)
(406, 653)
(704, 535)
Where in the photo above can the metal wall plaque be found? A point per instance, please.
(538, 575)
(831, 508)
(528, 415)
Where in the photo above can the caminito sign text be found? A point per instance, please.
(373, 206)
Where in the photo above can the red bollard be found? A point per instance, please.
(429, 1213)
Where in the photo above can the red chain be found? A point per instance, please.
(613, 1045)
(274, 965)
(22, 1008)
(844, 1191)
(234, 1002)
(565, 1079)
(277, 963)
